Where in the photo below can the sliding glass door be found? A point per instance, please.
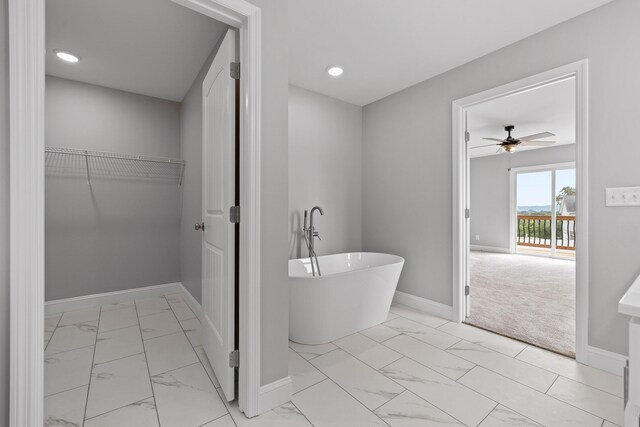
(545, 211)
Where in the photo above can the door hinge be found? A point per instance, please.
(467, 213)
(234, 214)
(466, 290)
(467, 136)
(235, 70)
(234, 359)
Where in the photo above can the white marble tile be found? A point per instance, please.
(51, 321)
(67, 370)
(436, 359)
(169, 352)
(118, 343)
(424, 318)
(609, 424)
(592, 400)
(534, 405)
(408, 410)
(65, 408)
(311, 351)
(118, 319)
(181, 310)
(303, 374)
(368, 350)
(159, 324)
(522, 372)
(326, 404)
(364, 383)
(447, 395)
(138, 414)
(286, 415)
(172, 298)
(505, 417)
(151, 305)
(224, 421)
(422, 332)
(70, 337)
(390, 316)
(117, 305)
(380, 333)
(47, 338)
(193, 329)
(118, 383)
(185, 397)
(207, 366)
(571, 369)
(484, 338)
(84, 315)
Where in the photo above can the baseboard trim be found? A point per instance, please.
(424, 305)
(606, 360)
(274, 394)
(86, 301)
(192, 303)
(489, 249)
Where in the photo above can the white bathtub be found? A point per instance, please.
(354, 293)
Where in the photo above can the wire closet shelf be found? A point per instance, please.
(98, 164)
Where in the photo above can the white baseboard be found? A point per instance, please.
(191, 302)
(489, 249)
(424, 305)
(606, 360)
(86, 301)
(274, 394)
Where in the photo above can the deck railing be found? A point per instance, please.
(535, 230)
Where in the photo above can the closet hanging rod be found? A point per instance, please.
(89, 153)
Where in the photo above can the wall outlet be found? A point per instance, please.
(623, 196)
(477, 237)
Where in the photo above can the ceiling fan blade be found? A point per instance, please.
(537, 136)
(539, 143)
(482, 146)
(494, 139)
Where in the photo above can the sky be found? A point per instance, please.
(534, 188)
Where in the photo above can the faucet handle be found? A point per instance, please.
(316, 234)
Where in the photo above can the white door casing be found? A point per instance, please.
(218, 195)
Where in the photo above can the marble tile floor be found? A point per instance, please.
(141, 363)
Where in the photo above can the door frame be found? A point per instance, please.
(26, 216)
(513, 196)
(579, 71)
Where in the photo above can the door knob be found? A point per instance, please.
(199, 226)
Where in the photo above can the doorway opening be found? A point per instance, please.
(520, 173)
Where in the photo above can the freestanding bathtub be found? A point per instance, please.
(354, 293)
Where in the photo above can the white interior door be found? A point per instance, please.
(218, 195)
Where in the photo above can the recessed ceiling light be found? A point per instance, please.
(66, 56)
(335, 71)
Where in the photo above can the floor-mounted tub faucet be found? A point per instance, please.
(310, 234)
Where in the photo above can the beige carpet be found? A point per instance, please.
(528, 298)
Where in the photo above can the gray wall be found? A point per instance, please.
(274, 292)
(4, 215)
(117, 233)
(191, 146)
(325, 169)
(489, 190)
(407, 191)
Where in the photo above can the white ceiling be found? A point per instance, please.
(547, 109)
(150, 47)
(388, 45)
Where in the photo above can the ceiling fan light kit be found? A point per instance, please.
(511, 144)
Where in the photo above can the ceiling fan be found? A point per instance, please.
(511, 144)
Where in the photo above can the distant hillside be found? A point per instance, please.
(528, 209)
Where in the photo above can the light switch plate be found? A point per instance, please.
(623, 196)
